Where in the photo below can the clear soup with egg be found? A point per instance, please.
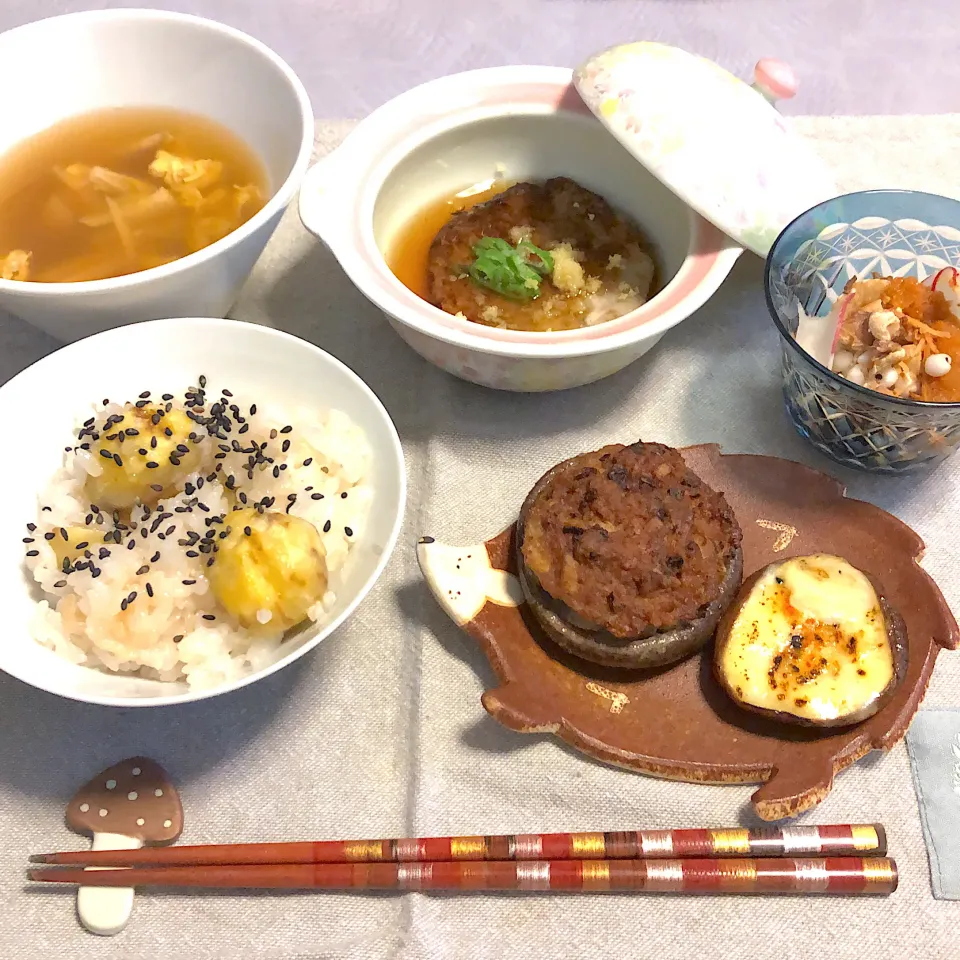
(117, 191)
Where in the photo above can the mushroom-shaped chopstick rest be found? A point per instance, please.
(126, 806)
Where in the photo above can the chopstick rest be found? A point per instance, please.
(127, 805)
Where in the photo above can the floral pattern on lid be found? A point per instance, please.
(715, 141)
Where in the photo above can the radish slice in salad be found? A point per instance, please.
(947, 282)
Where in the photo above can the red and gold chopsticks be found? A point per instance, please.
(846, 840)
(843, 876)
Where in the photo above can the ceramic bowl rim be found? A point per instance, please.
(787, 337)
(324, 630)
(278, 200)
(512, 91)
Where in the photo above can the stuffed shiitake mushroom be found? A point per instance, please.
(811, 641)
(626, 557)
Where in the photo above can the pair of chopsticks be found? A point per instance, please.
(840, 860)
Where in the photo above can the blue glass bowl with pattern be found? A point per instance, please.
(882, 232)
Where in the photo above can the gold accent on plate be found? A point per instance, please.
(864, 837)
(467, 848)
(617, 700)
(593, 844)
(730, 841)
(785, 533)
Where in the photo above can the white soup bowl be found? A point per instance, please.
(70, 65)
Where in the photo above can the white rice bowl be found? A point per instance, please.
(174, 642)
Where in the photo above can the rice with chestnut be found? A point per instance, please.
(184, 537)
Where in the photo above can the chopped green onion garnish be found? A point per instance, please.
(513, 272)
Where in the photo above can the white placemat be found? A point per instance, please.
(381, 733)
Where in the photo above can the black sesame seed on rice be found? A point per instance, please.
(326, 527)
(209, 616)
(28, 539)
(31, 527)
(49, 536)
(308, 461)
(178, 638)
(155, 557)
(33, 553)
(167, 396)
(124, 603)
(188, 583)
(192, 554)
(131, 543)
(343, 496)
(348, 531)
(60, 583)
(210, 561)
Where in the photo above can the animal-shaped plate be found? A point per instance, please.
(676, 722)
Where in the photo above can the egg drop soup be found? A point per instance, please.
(117, 191)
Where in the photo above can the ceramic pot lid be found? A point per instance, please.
(715, 141)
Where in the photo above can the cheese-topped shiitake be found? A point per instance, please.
(809, 640)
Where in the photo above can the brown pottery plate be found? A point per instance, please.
(676, 722)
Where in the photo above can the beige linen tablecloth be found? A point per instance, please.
(380, 731)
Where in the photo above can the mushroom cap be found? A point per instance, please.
(133, 798)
